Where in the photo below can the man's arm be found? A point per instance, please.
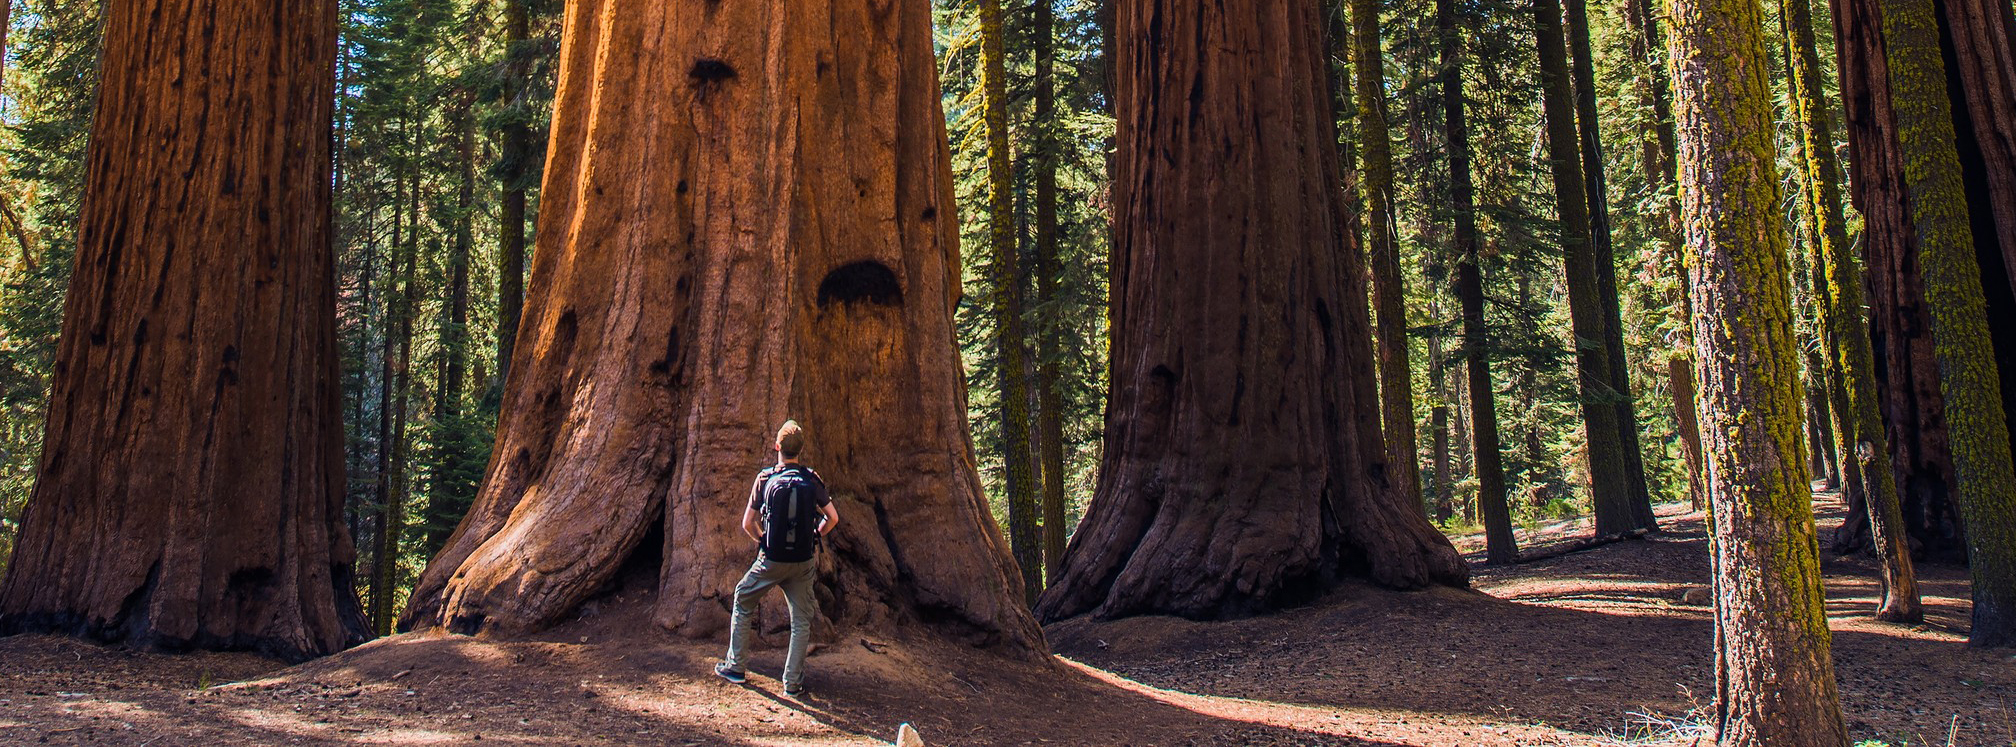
(832, 519)
(750, 525)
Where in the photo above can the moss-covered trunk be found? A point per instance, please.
(1977, 428)
(1382, 249)
(1010, 332)
(1859, 436)
(1774, 675)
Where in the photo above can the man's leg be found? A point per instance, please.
(797, 585)
(758, 580)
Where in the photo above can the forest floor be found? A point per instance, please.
(1599, 647)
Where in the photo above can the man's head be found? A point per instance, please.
(790, 439)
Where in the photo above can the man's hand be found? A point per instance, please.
(832, 520)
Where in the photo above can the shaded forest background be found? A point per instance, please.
(440, 126)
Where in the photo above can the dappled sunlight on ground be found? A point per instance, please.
(1601, 647)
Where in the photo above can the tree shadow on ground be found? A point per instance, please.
(1581, 642)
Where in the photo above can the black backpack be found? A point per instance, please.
(790, 515)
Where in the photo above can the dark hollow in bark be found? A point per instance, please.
(717, 255)
(191, 487)
(1244, 467)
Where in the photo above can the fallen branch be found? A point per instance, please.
(1584, 544)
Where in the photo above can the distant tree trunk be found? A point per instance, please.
(1338, 42)
(1820, 421)
(1050, 419)
(1858, 434)
(1590, 142)
(1774, 675)
(1243, 466)
(191, 479)
(384, 486)
(1389, 289)
(1955, 305)
(1680, 376)
(516, 164)
(1445, 481)
(1656, 150)
(1010, 337)
(1500, 547)
(397, 389)
(1609, 486)
(449, 499)
(697, 283)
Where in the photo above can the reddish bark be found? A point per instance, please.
(191, 485)
(747, 216)
(1978, 64)
(1244, 468)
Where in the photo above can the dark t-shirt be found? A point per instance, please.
(819, 495)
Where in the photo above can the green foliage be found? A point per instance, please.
(1077, 316)
(415, 75)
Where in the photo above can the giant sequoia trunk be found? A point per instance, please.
(191, 489)
(1928, 103)
(1981, 75)
(747, 216)
(1244, 466)
(1774, 676)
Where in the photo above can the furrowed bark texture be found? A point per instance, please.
(1859, 436)
(1977, 71)
(191, 487)
(1957, 308)
(747, 216)
(1389, 290)
(1243, 467)
(1609, 488)
(1774, 676)
(1500, 545)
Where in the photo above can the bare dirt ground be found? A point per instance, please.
(1591, 648)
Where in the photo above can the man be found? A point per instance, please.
(788, 512)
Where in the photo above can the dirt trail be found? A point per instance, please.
(1559, 652)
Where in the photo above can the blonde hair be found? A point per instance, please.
(790, 439)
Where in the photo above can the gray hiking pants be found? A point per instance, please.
(796, 581)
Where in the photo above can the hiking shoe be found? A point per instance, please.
(795, 691)
(730, 674)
